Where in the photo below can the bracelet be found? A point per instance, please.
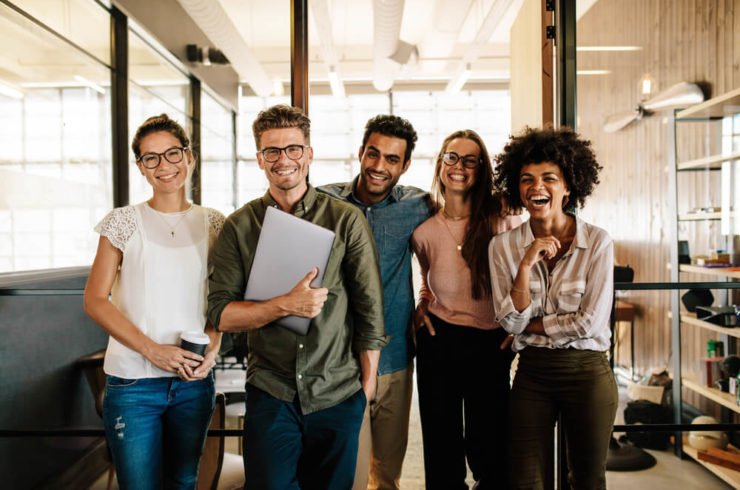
(516, 290)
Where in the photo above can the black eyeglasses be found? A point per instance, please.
(153, 159)
(271, 154)
(451, 158)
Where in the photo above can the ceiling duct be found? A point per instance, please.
(322, 21)
(439, 42)
(486, 29)
(213, 21)
(387, 15)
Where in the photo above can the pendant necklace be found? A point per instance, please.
(172, 227)
(453, 218)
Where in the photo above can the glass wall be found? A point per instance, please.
(338, 123)
(217, 159)
(55, 136)
(156, 86)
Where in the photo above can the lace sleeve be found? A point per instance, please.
(118, 226)
(215, 221)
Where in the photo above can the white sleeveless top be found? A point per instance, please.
(161, 286)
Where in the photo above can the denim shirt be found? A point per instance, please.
(392, 221)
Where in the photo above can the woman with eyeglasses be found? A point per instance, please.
(552, 288)
(463, 359)
(152, 261)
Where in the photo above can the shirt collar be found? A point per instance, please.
(580, 240)
(349, 192)
(301, 208)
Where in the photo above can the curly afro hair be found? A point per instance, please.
(563, 147)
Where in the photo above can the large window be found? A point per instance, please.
(55, 163)
(217, 159)
(156, 86)
(338, 123)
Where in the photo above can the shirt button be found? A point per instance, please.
(300, 346)
(300, 376)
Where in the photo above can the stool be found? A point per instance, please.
(625, 312)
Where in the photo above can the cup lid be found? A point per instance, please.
(195, 337)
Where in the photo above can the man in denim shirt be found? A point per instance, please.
(393, 211)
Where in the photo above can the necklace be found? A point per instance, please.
(167, 223)
(456, 218)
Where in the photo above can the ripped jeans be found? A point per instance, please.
(156, 428)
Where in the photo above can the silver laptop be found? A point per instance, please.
(287, 250)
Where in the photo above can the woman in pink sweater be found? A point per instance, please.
(463, 359)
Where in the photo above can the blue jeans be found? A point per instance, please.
(285, 449)
(156, 429)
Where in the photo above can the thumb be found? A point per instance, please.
(306, 281)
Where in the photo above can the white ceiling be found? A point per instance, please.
(447, 34)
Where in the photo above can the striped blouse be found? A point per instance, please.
(574, 300)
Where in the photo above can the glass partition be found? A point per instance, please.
(83, 22)
(55, 144)
(216, 154)
(156, 86)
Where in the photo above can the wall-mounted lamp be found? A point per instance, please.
(646, 85)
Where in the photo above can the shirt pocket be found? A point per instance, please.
(396, 237)
(570, 296)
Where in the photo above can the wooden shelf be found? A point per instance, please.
(699, 216)
(690, 319)
(724, 399)
(710, 271)
(720, 106)
(710, 162)
(729, 476)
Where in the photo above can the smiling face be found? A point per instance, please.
(166, 177)
(457, 178)
(285, 175)
(381, 165)
(543, 189)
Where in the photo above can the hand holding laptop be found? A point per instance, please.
(305, 301)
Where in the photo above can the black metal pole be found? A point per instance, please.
(566, 75)
(196, 143)
(119, 106)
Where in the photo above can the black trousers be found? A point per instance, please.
(463, 382)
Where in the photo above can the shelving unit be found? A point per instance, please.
(699, 216)
(729, 476)
(711, 111)
(690, 319)
(723, 272)
(724, 399)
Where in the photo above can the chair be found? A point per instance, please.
(215, 462)
(213, 451)
(92, 365)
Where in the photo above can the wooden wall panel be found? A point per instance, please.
(681, 40)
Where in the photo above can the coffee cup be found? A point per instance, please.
(194, 342)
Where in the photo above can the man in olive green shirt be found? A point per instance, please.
(306, 395)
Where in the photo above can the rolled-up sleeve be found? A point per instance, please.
(595, 305)
(501, 262)
(226, 280)
(364, 286)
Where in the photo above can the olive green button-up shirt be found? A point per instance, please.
(322, 367)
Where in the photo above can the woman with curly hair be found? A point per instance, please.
(462, 373)
(552, 288)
